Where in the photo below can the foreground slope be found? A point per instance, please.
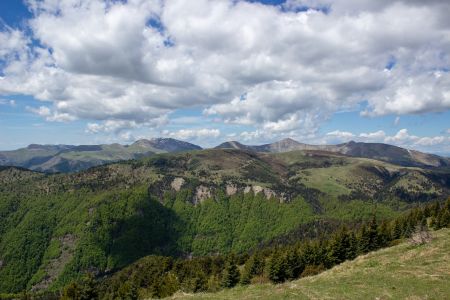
(404, 271)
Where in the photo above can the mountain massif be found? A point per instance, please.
(379, 151)
(69, 158)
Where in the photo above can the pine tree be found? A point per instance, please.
(353, 246)
(383, 235)
(277, 268)
(230, 275)
(294, 264)
(397, 230)
(253, 266)
(364, 240)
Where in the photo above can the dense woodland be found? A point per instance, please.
(125, 226)
(161, 276)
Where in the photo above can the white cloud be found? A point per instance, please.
(127, 136)
(373, 136)
(8, 102)
(51, 116)
(110, 126)
(397, 120)
(342, 135)
(187, 134)
(405, 139)
(278, 70)
(401, 138)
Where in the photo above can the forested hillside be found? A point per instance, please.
(55, 228)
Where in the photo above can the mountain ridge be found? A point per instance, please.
(384, 152)
(73, 158)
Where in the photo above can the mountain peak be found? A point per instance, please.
(289, 141)
(232, 145)
(167, 144)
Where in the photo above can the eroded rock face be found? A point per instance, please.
(177, 183)
(231, 189)
(268, 193)
(247, 189)
(257, 189)
(201, 194)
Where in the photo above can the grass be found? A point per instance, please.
(404, 271)
(328, 180)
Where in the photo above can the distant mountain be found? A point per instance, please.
(235, 145)
(379, 151)
(167, 145)
(70, 158)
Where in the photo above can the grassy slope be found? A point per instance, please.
(400, 272)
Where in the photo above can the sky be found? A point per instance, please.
(207, 71)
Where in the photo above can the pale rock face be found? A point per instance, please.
(177, 183)
(269, 193)
(257, 189)
(231, 189)
(201, 194)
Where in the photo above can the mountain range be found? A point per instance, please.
(70, 158)
(378, 151)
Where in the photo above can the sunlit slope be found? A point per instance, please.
(404, 271)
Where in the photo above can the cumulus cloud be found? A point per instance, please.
(401, 138)
(51, 116)
(405, 139)
(187, 134)
(341, 134)
(283, 70)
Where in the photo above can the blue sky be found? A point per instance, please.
(83, 72)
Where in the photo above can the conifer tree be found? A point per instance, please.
(253, 266)
(397, 230)
(353, 246)
(294, 264)
(384, 235)
(277, 268)
(230, 275)
(364, 240)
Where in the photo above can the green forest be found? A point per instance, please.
(202, 221)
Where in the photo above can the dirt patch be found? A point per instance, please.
(56, 265)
